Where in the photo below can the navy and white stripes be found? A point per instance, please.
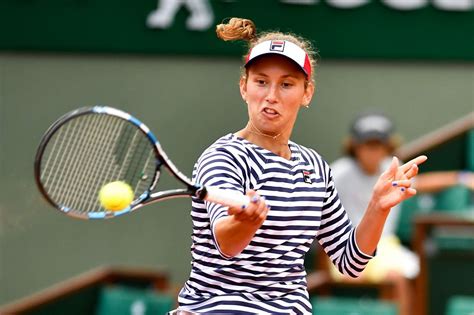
(268, 276)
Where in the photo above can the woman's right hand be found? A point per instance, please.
(235, 232)
(255, 213)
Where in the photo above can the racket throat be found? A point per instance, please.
(199, 192)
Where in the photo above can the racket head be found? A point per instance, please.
(90, 147)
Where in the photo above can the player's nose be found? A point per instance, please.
(272, 94)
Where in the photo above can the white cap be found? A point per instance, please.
(281, 47)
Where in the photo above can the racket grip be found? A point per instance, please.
(226, 197)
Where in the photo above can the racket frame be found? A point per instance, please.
(145, 198)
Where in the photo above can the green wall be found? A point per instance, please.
(187, 102)
(374, 29)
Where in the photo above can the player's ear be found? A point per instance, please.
(308, 94)
(243, 87)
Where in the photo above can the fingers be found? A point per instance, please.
(405, 187)
(391, 172)
(407, 170)
(404, 193)
(254, 197)
(235, 210)
(394, 185)
(412, 171)
(407, 193)
(255, 212)
(418, 160)
(406, 183)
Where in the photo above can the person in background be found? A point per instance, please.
(368, 152)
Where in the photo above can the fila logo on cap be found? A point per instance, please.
(277, 45)
(284, 48)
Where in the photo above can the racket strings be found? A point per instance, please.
(141, 166)
(146, 173)
(131, 142)
(90, 151)
(80, 163)
(62, 161)
(79, 153)
(103, 140)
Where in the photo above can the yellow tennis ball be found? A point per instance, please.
(116, 196)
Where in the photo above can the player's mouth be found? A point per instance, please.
(270, 112)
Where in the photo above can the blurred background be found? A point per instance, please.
(162, 62)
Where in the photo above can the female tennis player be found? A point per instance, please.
(250, 260)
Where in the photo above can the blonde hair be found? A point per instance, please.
(244, 29)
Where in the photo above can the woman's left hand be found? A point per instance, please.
(394, 185)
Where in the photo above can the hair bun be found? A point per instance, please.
(237, 29)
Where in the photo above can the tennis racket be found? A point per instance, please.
(92, 146)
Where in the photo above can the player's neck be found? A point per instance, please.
(277, 144)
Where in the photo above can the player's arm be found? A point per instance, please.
(392, 187)
(234, 232)
(232, 227)
(437, 181)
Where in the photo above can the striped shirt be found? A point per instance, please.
(268, 276)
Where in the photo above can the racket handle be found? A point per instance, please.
(226, 197)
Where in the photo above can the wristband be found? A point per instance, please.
(464, 177)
